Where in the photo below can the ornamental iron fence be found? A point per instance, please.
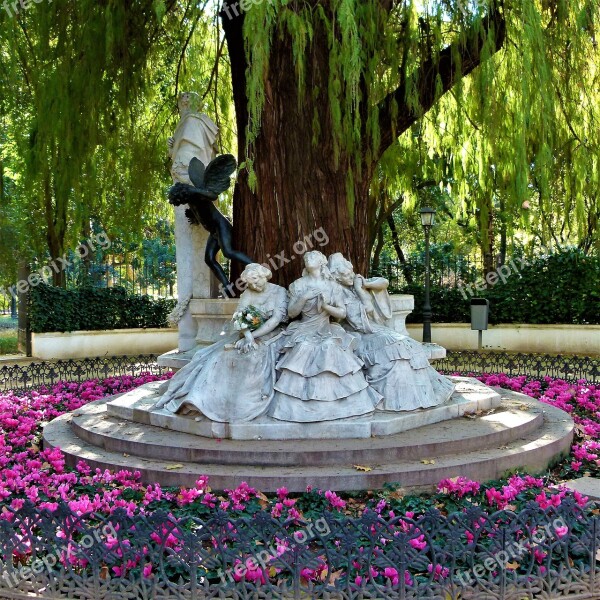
(23, 377)
(568, 367)
(469, 555)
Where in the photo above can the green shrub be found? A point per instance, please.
(555, 288)
(93, 309)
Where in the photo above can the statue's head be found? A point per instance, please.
(188, 102)
(341, 269)
(256, 276)
(316, 262)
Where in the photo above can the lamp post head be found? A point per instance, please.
(427, 217)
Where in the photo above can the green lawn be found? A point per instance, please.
(8, 335)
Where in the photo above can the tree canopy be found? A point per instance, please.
(494, 104)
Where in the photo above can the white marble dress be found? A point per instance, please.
(396, 365)
(224, 384)
(320, 377)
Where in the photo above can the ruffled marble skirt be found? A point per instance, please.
(320, 377)
(397, 367)
(224, 384)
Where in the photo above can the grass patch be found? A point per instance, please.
(8, 341)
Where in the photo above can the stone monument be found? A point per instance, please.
(316, 385)
(194, 137)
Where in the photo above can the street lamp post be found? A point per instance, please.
(427, 218)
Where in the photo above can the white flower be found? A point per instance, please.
(249, 318)
(244, 326)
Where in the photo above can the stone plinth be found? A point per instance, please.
(193, 275)
(520, 434)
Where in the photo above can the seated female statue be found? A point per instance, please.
(396, 365)
(232, 380)
(320, 377)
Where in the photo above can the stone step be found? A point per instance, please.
(507, 423)
(533, 452)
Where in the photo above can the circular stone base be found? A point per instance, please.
(519, 433)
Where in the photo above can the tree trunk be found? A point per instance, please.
(301, 200)
(301, 189)
(396, 241)
(486, 231)
(379, 241)
(56, 219)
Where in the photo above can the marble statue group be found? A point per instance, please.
(318, 352)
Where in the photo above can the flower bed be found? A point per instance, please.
(32, 479)
(41, 476)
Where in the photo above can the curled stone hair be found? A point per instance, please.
(338, 263)
(260, 270)
(323, 260)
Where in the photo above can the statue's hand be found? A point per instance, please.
(310, 294)
(359, 282)
(245, 345)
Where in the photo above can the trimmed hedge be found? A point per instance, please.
(94, 309)
(550, 289)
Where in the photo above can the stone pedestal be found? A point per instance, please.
(193, 275)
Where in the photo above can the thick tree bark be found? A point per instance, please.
(301, 189)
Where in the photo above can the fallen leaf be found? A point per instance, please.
(262, 500)
(427, 461)
(126, 455)
(173, 467)
(524, 407)
(334, 577)
(513, 565)
(361, 468)
(104, 572)
(469, 415)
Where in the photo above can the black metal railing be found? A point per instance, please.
(473, 554)
(23, 377)
(568, 367)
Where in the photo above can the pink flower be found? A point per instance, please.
(335, 500)
(562, 531)
(392, 574)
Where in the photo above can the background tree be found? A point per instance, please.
(345, 112)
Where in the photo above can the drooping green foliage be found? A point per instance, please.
(88, 98)
(515, 141)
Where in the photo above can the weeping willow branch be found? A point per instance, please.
(438, 73)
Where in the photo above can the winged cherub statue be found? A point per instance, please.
(208, 182)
